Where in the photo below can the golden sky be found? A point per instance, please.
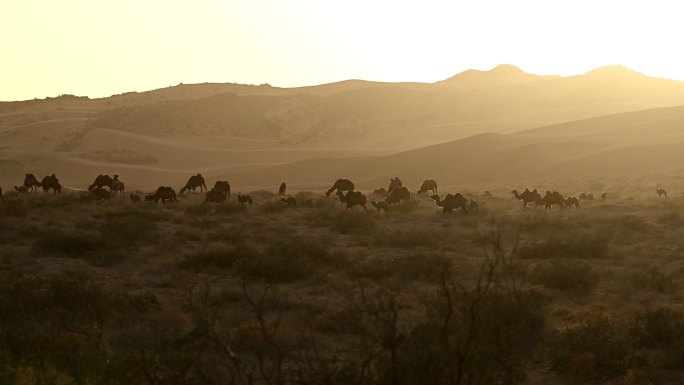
(103, 47)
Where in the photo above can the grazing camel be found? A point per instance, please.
(31, 182)
(215, 196)
(165, 193)
(381, 191)
(397, 195)
(661, 192)
(117, 186)
(341, 185)
(380, 205)
(428, 184)
(528, 196)
(572, 201)
(604, 196)
(586, 197)
(21, 189)
(291, 201)
(352, 198)
(451, 202)
(282, 188)
(244, 199)
(101, 181)
(150, 198)
(135, 198)
(224, 186)
(473, 205)
(99, 194)
(51, 182)
(395, 183)
(194, 182)
(553, 198)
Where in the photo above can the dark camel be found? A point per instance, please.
(21, 189)
(397, 195)
(528, 196)
(661, 192)
(586, 197)
(244, 199)
(282, 188)
(291, 201)
(553, 198)
(31, 182)
(51, 182)
(165, 193)
(194, 182)
(572, 201)
(380, 205)
(224, 186)
(135, 198)
(117, 186)
(428, 184)
(395, 183)
(101, 181)
(352, 198)
(451, 203)
(99, 194)
(604, 196)
(341, 185)
(215, 196)
(473, 205)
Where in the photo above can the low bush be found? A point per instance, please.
(568, 276)
(653, 279)
(583, 246)
(68, 243)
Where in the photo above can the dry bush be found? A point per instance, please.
(402, 238)
(653, 279)
(581, 246)
(69, 244)
(426, 266)
(346, 221)
(568, 276)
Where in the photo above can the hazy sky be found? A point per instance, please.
(98, 48)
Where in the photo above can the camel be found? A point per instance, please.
(380, 205)
(194, 182)
(395, 183)
(51, 182)
(99, 194)
(150, 198)
(135, 198)
(21, 189)
(397, 195)
(586, 197)
(291, 201)
(604, 196)
(282, 188)
(428, 184)
(244, 199)
(528, 196)
(352, 198)
(165, 193)
(661, 192)
(215, 196)
(570, 201)
(101, 181)
(553, 198)
(222, 185)
(31, 183)
(340, 185)
(381, 191)
(451, 202)
(473, 205)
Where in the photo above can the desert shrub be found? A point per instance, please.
(569, 276)
(408, 238)
(68, 243)
(128, 230)
(671, 218)
(596, 349)
(14, 206)
(544, 222)
(346, 221)
(653, 279)
(188, 235)
(405, 207)
(583, 246)
(199, 209)
(273, 207)
(631, 222)
(215, 256)
(408, 267)
(230, 208)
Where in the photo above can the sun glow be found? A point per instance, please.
(101, 48)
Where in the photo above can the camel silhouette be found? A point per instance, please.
(604, 196)
(572, 201)
(451, 202)
(397, 195)
(222, 185)
(553, 198)
(661, 192)
(165, 194)
(528, 196)
(341, 185)
(473, 205)
(380, 205)
(194, 182)
(282, 188)
(352, 198)
(21, 189)
(51, 182)
(215, 196)
(99, 194)
(244, 199)
(291, 201)
(101, 181)
(428, 184)
(31, 182)
(586, 197)
(134, 198)
(395, 183)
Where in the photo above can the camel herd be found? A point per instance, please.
(104, 186)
